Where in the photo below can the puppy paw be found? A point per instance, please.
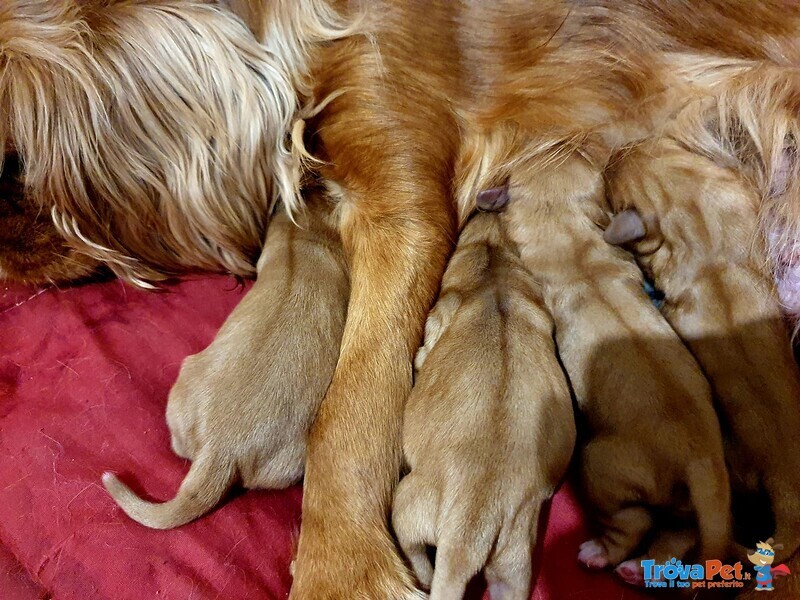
(593, 555)
(631, 572)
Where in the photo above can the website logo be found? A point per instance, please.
(714, 574)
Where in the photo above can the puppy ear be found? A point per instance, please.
(627, 226)
(777, 546)
(493, 200)
(770, 541)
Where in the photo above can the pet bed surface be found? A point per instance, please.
(15, 584)
(84, 376)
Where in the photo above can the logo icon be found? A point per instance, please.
(762, 559)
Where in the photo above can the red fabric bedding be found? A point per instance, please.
(84, 376)
(14, 581)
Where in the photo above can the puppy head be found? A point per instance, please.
(153, 133)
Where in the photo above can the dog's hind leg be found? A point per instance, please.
(396, 248)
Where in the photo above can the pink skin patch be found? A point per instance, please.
(785, 257)
(592, 555)
(783, 244)
(783, 173)
(788, 283)
(631, 572)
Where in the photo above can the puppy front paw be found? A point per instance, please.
(617, 548)
(593, 555)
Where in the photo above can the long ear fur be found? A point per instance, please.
(157, 130)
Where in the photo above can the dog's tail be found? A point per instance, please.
(709, 492)
(210, 477)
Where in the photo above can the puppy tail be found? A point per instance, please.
(709, 492)
(207, 481)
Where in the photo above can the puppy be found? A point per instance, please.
(180, 94)
(721, 300)
(653, 441)
(489, 428)
(242, 408)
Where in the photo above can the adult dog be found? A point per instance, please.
(156, 132)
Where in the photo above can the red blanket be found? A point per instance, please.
(84, 376)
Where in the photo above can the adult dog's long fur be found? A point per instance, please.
(157, 133)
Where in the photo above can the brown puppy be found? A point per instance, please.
(654, 443)
(242, 408)
(695, 226)
(489, 429)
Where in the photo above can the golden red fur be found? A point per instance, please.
(697, 245)
(436, 101)
(453, 92)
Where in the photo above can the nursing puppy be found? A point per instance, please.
(653, 441)
(242, 408)
(721, 300)
(489, 429)
(169, 111)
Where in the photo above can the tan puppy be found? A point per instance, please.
(171, 111)
(654, 444)
(242, 408)
(489, 428)
(721, 300)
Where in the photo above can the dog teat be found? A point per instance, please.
(493, 199)
(627, 226)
